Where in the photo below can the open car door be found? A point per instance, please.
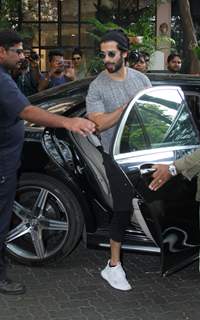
(157, 127)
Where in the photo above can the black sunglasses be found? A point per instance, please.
(77, 58)
(16, 50)
(110, 54)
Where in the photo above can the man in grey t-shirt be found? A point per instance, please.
(107, 97)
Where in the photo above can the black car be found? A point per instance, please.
(63, 193)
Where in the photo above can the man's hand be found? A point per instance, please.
(80, 125)
(160, 176)
(33, 63)
(47, 119)
(70, 73)
(51, 72)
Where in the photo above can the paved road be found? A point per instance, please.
(73, 290)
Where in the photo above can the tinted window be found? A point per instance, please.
(133, 136)
(158, 119)
(193, 100)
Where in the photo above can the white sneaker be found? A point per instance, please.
(116, 277)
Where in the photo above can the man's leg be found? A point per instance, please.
(115, 248)
(113, 272)
(122, 194)
(118, 225)
(7, 195)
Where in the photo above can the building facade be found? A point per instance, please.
(64, 23)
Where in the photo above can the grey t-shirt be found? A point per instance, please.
(106, 95)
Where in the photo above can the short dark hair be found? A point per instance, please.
(172, 56)
(8, 38)
(55, 52)
(77, 51)
(118, 36)
(27, 47)
(146, 55)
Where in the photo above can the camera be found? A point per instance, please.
(135, 56)
(34, 56)
(24, 64)
(68, 64)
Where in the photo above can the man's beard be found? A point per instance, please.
(11, 66)
(114, 67)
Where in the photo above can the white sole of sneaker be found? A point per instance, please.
(112, 285)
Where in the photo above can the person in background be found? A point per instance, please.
(14, 109)
(56, 74)
(139, 61)
(107, 98)
(27, 74)
(174, 63)
(80, 69)
(147, 59)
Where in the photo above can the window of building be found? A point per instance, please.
(64, 24)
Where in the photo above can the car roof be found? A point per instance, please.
(63, 90)
(186, 81)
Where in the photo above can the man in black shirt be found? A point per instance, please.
(28, 74)
(14, 108)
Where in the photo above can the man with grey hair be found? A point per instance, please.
(107, 97)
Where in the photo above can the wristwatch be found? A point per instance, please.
(172, 170)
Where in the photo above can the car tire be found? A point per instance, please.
(47, 220)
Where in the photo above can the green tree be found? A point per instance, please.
(9, 19)
(141, 23)
(190, 38)
(9, 14)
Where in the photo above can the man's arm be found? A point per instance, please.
(70, 73)
(189, 166)
(105, 120)
(96, 110)
(36, 75)
(13, 102)
(35, 70)
(45, 118)
(43, 82)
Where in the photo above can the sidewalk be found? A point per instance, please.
(73, 290)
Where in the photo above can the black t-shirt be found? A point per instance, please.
(27, 84)
(12, 102)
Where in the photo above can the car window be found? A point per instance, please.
(193, 100)
(158, 119)
(133, 137)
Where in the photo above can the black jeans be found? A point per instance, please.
(122, 193)
(7, 195)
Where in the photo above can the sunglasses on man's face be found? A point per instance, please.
(76, 58)
(16, 50)
(110, 54)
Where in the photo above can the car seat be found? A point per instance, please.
(98, 164)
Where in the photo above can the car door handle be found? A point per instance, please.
(147, 170)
